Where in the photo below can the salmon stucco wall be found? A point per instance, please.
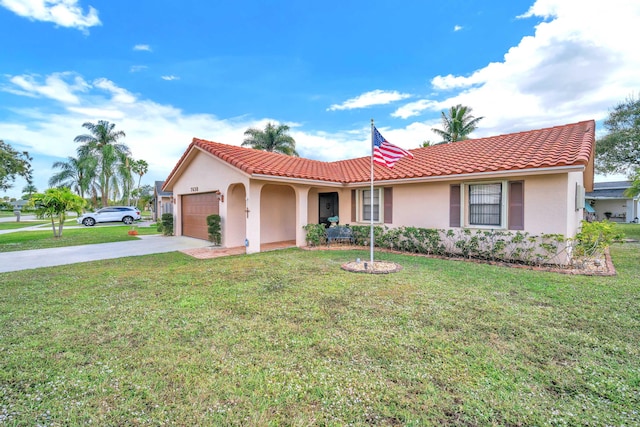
(549, 203)
(277, 213)
(204, 174)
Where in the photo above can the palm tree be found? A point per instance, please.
(102, 143)
(273, 138)
(139, 167)
(123, 180)
(457, 125)
(28, 190)
(76, 173)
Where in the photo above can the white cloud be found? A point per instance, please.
(457, 27)
(142, 47)
(62, 87)
(581, 61)
(368, 99)
(414, 108)
(170, 78)
(157, 133)
(65, 13)
(137, 68)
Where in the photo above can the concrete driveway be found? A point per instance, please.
(154, 244)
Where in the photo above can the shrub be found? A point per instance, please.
(167, 224)
(594, 237)
(316, 234)
(213, 227)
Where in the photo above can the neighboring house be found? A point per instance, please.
(161, 202)
(19, 204)
(609, 202)
(530, 181)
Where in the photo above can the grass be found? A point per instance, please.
(288, 338)
(21, 224)
(40, 239)
(631, 231)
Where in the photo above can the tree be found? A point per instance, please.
(619, 150)
(273, 138)
(139, 167)
(12, 164)
(143, 195)
(634, 190)
(54, 203)
(102, 143)
(28, 190)
(76, 173)
(457, 125)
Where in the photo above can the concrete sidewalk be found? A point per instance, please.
(154, 244)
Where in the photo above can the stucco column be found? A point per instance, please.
(252, 213)
(302, 214)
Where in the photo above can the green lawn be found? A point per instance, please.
(25, 240)
(21, 224)
(631, 231)
(288, 338)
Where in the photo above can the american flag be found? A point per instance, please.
(385, 153)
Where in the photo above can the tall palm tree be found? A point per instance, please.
(75, 173)
(457, 125)
(139, 167)
(28, 190)
(122, 181)
(273, 138)
(102, 143)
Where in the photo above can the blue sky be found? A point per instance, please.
(167, 71)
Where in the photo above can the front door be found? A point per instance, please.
(328, 207)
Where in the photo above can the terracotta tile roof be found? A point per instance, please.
(557, 146)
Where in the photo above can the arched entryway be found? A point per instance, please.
(234, 231)
(277, 214)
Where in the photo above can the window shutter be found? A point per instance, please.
(516, 205)
(353, 205)
(388, 205)
(454, 206)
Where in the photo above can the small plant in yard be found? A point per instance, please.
(167, 224)
(316, 234)
(594, 237)
(213, 228)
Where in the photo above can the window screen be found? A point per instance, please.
(485, 207)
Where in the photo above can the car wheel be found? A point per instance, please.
(89, 222)
(127, 220)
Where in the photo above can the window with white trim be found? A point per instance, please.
(485, 204)
(364, 207)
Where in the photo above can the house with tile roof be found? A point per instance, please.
(608, 201)
(530, 181)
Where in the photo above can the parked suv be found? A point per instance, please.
(126, 214)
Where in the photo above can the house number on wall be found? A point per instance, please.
(193, 189)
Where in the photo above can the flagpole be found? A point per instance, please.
(371, 201)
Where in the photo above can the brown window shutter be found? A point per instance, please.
(353, 205)
(454, 206)
(388, 205)
(516, 205)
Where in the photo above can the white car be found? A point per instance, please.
(126, 214)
